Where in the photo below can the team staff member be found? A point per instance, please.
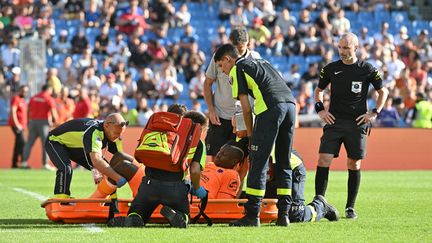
(82, 140)
(18, 122)
(168, 188)
(274, 107)
(319, 208)
(347, 118)
(42, 115)
(220, 104)
(221, 178)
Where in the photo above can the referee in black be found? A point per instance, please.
(347, 119)
(274, 107)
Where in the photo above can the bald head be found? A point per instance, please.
(114, 118)
(350, 38)
(347, 47)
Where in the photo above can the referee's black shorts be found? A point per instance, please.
(353, 137)
(218, 135)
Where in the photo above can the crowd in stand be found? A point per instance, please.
(106, 56)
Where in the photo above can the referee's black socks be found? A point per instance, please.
(353, 187)
(321, 180)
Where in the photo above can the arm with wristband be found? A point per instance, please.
(324, 114)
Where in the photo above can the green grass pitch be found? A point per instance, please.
(393, 206)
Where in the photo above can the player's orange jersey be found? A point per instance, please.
(220, 182)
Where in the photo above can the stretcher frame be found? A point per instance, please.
(90, 210)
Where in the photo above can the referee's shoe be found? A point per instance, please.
(350, 213)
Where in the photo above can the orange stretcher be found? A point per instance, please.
(90, 210)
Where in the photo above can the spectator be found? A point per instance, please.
(322, 22)
(102, 41)
(146, 85)
(340, 24)
(131, 21)
(192, 61)
(44, 21)
(167, 86)
(196, 85)
(92, 15)
(129, 87)
(62, 45)
(311, 42)
(90, 79)
(402, 36)
(79, 42)
(424, 47)
(364, 38)
(251, 12)
(144, 112)
(83, 107)
(182, 16)
(53, 81)
(407, 85)
(285, 20)
(388, 117)
(293, 77)
(304, 23)
(24, 19)
(65, 106)
(10, 53)
(130, 115)
(110, 88)
(141, 57)
(292, 43)
(226, 8)
(14, 81)
(161, 12)
(74, 9)
(378, 37)
(268, 12)
(259, 32)
(85, 60)
(157, 52)
(395, 65)
(220, 39)
(187, 39)
(238, 18)
(68, 74)
(420, 76)
(115, 47)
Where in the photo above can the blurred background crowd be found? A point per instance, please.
(137, 57)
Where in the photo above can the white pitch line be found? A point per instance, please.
(92, 228)
(31, 194)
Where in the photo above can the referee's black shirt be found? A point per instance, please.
(349, 87)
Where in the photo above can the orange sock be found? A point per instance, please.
(104, 189)
(135, 182)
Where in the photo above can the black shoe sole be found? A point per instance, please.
(244, 223)
(174, 219)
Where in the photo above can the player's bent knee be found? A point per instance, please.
(123, 166)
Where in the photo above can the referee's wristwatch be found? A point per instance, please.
(375, 110)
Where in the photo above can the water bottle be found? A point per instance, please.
(241, 130)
